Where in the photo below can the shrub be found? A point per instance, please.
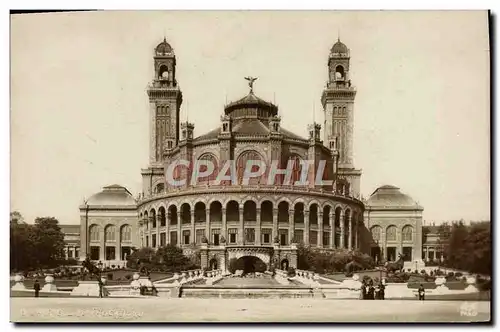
(291, 272)
(451, 274)
(110, 276)
(128, 276)
(431, 273)
(458, 274)
(113, 266)
(424, 272)
(349, 274)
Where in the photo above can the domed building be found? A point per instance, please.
(394, 221)
(262, 217)
(108, 225)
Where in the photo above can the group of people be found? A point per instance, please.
(371, 292)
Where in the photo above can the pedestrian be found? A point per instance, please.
(382, 291)
(36, 286)
(100, 287)
(371, 291)
(363, 290)
(421, 293)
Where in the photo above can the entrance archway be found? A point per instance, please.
(284, 264)
(251, 264)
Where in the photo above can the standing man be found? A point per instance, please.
(36, 286)
(363, 290)
(100, 286)
(382, 290)
(421, 293)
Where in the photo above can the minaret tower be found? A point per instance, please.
(338, 106)
(165, 99)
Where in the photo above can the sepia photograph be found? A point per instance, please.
(250, 166)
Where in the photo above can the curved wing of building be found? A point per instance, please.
(265, 215)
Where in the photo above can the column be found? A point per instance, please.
(306, 227)
(66, 252)
(258, 237)
(179, 229)
(320, 230)
(102, 244)
(356, 234)
(158, 223)
(349, 239)
(223, 230)
(167, 228)
(192, 238)
(241, 230)
(207, 225)
(426, 254)
(342, 229)
(291, 226)
(332, 230)
(275, 224)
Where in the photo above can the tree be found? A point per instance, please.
(144, 256)
(173, 258)
(35, 246)
(49, 241)
(16, 218)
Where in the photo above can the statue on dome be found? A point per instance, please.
(250, 80)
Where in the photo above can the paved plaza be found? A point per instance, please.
(244, 310)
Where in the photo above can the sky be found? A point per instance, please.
(79, 108)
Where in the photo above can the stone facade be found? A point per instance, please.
(233, 220)
(394, 221)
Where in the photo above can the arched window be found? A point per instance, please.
(283, 212)
(215, 211)
(200, 214)
(94, 233)
(391, 233)
(203, 168)
(313, 214)
(126, 233)
(376, 232)
(266, 211)
(407, 233)
(242, 163)
(110, 233)
(232, 211)
(326, 215)
(339, 72)
(162, 214)
(298, 213)
(249, 211)
(296, 170)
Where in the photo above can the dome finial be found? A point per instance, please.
(250, 80)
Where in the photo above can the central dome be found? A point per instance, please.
(252, 106)
(163, 48)
(390, 196)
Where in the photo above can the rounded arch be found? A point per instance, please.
(407, 233)
(299, 200)
(314, 201)
(152, 217)
(313, 213)
(338, 213)
(94, 231)
(376, 233)
(250, 211)
(327, 209)
(284, 199)
(266, 211)
(298, 211)
(283, 210)
(126, 233)
(232, 211)
(172, 214)
(163, 72)
(339, 71)
(297, 161)
(391, 233)
(109, 233)
(215, 211)
(200, 212)
(185, 213)
(241, 162)
(209, 156)
(162, 216)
